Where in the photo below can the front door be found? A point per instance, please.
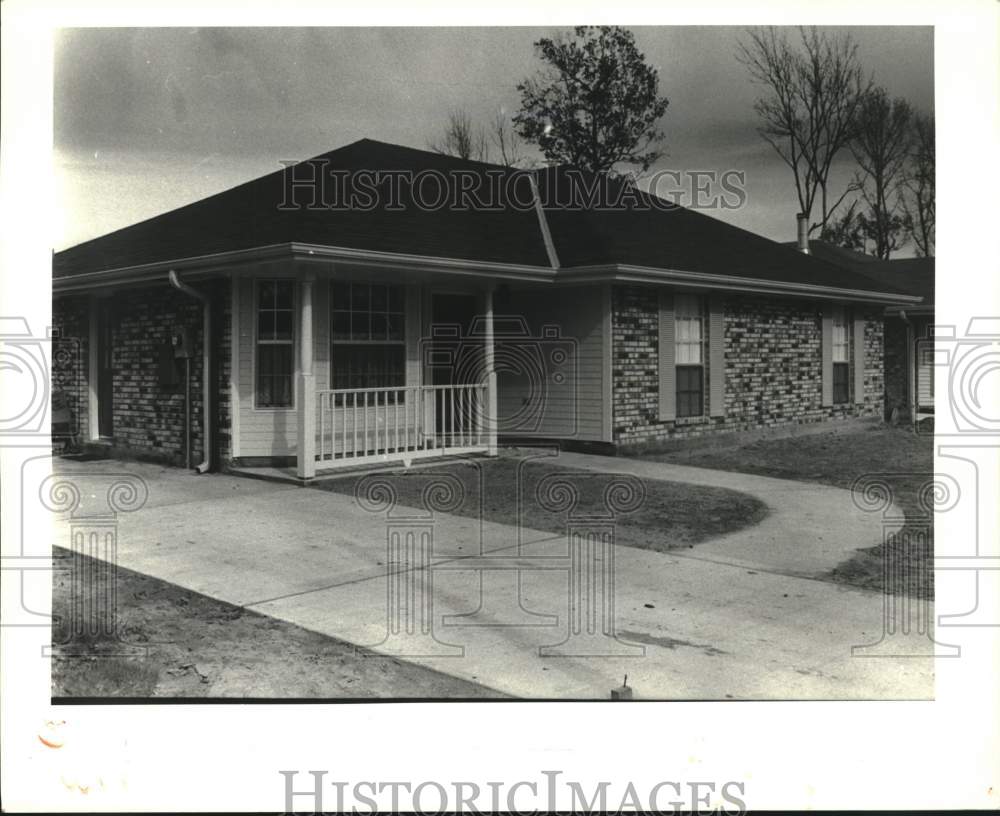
(105, 382)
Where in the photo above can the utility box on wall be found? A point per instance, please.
(173, 356)
(180, 338)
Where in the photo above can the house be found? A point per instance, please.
(909, 330)
(383, 303)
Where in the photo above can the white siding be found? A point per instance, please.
(542, 403)
(271, 431)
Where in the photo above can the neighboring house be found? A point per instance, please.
(327, 330)
(909, 339)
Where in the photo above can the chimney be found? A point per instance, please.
(803, 220)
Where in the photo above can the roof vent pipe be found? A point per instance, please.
(803, 224)
(206, 386)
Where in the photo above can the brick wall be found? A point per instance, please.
(70, 355)
(772, 359)
(148, 415)
(896, 380)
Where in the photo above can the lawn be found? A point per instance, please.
(201, 647)
(838, 459)
(673, 515)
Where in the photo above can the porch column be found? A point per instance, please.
(306, 408)
(491, 374)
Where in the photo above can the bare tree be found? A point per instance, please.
(462, 138)
(881, 147)
(918, 199)
(506, 142)
(807, 113)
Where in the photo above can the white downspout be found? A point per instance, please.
(206, 351)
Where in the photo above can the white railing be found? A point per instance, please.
(359, 426)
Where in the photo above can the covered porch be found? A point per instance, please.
(338, 365)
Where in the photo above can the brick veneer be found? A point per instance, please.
(70, 353)
(773, 367)
(148, 417)
(896, 381)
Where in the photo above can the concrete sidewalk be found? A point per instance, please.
(732, 618)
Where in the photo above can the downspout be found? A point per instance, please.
(206, 388)
(910, 367)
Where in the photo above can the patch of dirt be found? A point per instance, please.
(191, 645)
(505, 490)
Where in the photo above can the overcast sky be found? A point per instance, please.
(149, 119)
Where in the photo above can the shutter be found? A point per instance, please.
(859, 361)
(716, 358)
(668, 386)
(827, 354)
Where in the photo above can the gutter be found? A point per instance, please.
(206, 387)
(598, 273)
(627, 273)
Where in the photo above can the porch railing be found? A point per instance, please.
(359, 426)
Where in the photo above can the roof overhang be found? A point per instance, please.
(626, 273)
(230, 262)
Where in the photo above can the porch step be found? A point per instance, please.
(288, 475)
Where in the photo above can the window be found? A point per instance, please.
(841, 367)
(368, 339)
(275, 343)
(688, 355)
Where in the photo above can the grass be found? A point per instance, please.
(838, 459)
(673, 515)
(195, 646)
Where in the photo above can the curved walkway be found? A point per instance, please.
(810, 529)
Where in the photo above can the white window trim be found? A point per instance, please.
(332, 341)
(702, 346)
(257, 342)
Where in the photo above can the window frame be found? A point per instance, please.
(257, 342)
(391, 396)
(840, 371)
(686, 305)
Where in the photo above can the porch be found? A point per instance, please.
(343, 367)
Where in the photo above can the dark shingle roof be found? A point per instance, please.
(911, 276)
(642, 233)
(656, 233)
(249, 216)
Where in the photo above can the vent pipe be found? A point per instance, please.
(803, 224)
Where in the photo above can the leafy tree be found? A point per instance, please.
(812, 93)
(596, 103)
(918, 200)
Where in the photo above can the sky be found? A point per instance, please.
(149, 119)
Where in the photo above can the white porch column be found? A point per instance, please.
(306, 406)
(491, 374)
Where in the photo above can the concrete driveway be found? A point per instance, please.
(738, 617)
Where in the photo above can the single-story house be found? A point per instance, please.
(384, 303)
(909, 330)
